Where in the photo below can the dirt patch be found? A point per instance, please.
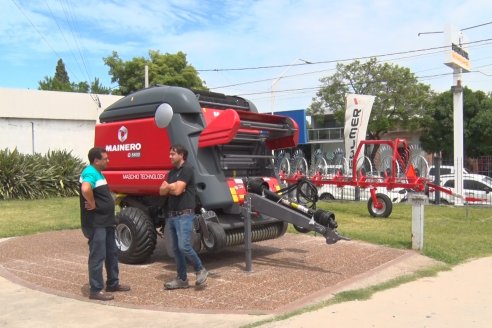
(288, 272)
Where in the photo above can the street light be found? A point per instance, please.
(457, 59)
(272, 90)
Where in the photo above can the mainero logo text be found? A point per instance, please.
(124, 147)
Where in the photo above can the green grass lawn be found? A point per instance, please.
(451, 234)
(24, 217)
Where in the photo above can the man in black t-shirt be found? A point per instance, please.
(180, 189)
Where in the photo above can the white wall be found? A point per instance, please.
(38, 121)
(38, 136)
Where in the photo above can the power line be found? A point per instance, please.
(35, 28)
(471, 27)
(271, 79)
(62, 33)
(43, 37)
(346, 84)
(72, 23)
(69, 17)
(319, 62)
(336, 60)
(463, 29)
(297, 90)
(484, 73)
(324, 70)
(283, 93)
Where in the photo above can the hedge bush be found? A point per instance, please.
(25, 176)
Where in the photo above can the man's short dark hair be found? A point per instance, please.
(95, 153)
(180, 149)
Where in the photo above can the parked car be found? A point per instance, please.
(443, 170)
(332, 192)
(474, 185)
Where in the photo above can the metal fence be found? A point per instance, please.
(399, 195)
(485, 165)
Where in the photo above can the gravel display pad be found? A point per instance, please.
(288, 272)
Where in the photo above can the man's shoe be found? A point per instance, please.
(176, 284)
(101, 296)
(201, 277)
(118, 288)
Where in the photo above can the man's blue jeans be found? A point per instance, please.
(181, 228)
(102, 250)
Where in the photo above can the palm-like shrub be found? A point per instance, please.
(25, 176)
(64, 171)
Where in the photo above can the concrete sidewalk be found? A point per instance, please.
(461, 297)
(26, 308)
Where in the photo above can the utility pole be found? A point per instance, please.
(146, 76)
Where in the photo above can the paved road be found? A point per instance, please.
(461, 297)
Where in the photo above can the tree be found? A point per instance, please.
(61, 73)
(61, 82)
(400, 99)
(81, 87)
(97, 88)
(438, 124)
(168, 69)
(478, 134)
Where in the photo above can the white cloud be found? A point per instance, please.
(235, 34)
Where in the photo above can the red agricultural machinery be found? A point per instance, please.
(401, 174)
(230, 147)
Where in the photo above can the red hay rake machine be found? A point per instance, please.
(402, 174)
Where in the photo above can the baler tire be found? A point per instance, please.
(136, 236)
(216, 237)
(383, 212)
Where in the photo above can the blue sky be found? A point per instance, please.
(236, 34)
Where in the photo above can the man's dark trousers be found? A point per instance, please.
(102, 250)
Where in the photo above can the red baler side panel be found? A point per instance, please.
(222, 127)
(288, 141)
(134, 145)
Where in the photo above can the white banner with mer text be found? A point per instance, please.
(357, 112)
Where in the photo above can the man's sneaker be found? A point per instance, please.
(201, 277)
(176, 284)
(118, 288)
(101, 296)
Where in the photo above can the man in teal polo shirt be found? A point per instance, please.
(98, 225)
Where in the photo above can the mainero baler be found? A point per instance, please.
(230, 146)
